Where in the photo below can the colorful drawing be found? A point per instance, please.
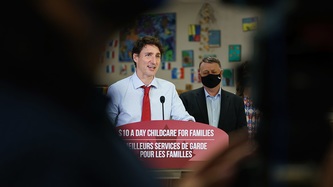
(195, 76)
(214, 38)
(228, 77)
(194, 32)
(109, 68)
(123, 69)
(187, 58)
(112, 45)
(162, 26)
(166, 65)
(249, 24)
(177, 73)
(234, 53)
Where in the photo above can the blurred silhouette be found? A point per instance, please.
(54, 128)
(244, 90)
(291, 68)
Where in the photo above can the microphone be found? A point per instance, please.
(162, 99)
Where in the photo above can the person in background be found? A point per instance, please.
(54, 129)
(126, 95)
(291, 65)
(212, 105)
(244, 90)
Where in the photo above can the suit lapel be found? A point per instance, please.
(202, 104)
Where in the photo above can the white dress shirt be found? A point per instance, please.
(126, 101)
(213, 108)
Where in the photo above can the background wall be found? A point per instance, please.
(228, 20)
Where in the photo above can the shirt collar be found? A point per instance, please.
(217, 95)
(137, 83)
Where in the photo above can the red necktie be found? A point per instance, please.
(145, 105)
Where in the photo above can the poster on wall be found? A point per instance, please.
(177, 73)
(187, 58)
(123, 69)
(195, 76)
(234, 53)
(194, 32)
(166, 65)
(249, 24)
(162, 26)
(214, 38)
(228, 77)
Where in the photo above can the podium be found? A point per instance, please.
(170, 148)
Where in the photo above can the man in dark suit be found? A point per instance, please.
(211, 104)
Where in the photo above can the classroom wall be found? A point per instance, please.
(228, 20)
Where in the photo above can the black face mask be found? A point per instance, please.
(211, 80)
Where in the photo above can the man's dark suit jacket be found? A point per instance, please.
(232, 113)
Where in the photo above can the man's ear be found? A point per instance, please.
(199, 76)
(135, 57)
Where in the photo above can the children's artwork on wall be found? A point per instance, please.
(207, 20)
(234, 53)
(177, 73)
(166, 65)
(194, 31)
(249, 24)
(195, 76)
(109, 50)
(162, 26)
(187, 58)
(109, 68)
(123, 69)
(107, 54)
(228, 77)
(214, 38)
(113, 44)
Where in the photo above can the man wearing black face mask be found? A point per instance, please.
(211, 104)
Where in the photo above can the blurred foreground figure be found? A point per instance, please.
(291, 72)
(53, 127)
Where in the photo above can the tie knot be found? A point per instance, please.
(146, 89)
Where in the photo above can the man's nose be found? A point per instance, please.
(154, 59)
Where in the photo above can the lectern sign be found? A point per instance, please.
(172, 144)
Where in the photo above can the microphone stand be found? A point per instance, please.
(163, 110)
